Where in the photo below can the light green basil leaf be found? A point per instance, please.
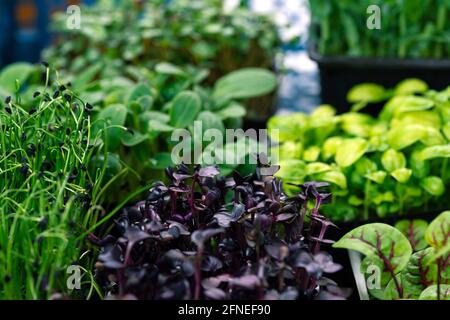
(311, 154)
(292, 170)
(393, 160)
(330, 147)
(287, 150)
(424, 118)
(419, 167)
(355, 201)
(401, 137)
(376, 176)
(442, 151)
(317, 167)
(356, 124)
(412, 103)
(336, 177)
(446, 130)
(323, 111)
(287, 127)
(432, 137)
(350, 151)
(365, 165)
(402, 175)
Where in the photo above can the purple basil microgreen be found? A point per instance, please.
(203, 236)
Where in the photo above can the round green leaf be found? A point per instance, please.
(367, 92)
(412, 103)
(433, 185)
(311, 154)
(402, 175)
(411, 86)
(330, 147)
(393, 160)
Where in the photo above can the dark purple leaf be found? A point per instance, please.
(214, 282)
(211, 264)
(200, 236)
(265, 251)
(210, 172)
(277, 250)
(326, 262)
(215, 294)
(285, 216)
(249, 282)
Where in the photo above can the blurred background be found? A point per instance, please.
(26, 32)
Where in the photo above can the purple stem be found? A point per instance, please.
(198, 273)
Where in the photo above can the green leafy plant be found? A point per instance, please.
(53, 176)
(396, 163)
(196, 33)
(413, 28)
(143, 114)
(413, 258)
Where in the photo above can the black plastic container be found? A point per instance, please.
(338, 74)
